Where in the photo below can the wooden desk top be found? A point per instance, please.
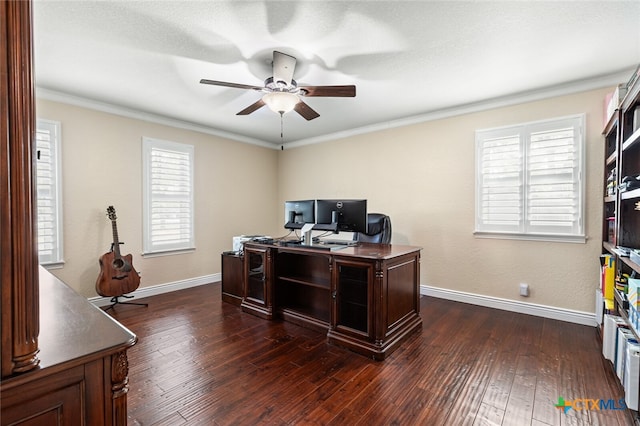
(362, 250)
(72, 329)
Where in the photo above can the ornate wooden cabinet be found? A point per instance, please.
(63, 360)
(82, 378)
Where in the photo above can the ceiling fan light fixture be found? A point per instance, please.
(281, 102)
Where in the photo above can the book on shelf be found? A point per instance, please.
(607, 279)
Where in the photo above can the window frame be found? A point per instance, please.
(56, 260)
(524, 231)
(150, 249)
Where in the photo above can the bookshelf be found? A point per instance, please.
(621, 208)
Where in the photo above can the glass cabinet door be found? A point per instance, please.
(258, 295)
(352, 297)
(256, 277)
(257, 282)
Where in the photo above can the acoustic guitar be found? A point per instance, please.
(117, 275)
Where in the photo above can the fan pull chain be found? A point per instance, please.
(281, 131)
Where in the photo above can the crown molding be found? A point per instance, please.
(608, 80)
(55, 96)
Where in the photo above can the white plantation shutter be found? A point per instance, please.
(554, 181)
(501, 182)
(168, 193)
(529, 179)
(48, 183)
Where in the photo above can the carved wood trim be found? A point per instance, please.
(119, 374)
(18, 250)
(119, 387)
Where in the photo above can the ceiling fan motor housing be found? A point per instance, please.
(280, 86)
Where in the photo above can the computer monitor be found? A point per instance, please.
(341, 215)
(297, 213)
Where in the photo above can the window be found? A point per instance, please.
(529, 180)
(168, 196)
(49, 200)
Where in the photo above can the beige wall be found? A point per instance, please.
(235, 185)
(422, 175)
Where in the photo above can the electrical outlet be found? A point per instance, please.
(524, 289)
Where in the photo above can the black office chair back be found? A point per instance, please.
(378, 230)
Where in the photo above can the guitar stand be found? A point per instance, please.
(115, 301)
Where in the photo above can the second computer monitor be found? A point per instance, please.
(341, 215)
(297, 213)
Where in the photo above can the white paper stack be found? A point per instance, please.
(238, 242)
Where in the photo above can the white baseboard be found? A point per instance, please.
(568, 315)
(578, 317)
(162, 288)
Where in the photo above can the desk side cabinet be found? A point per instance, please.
(232, 278)
(376, 303)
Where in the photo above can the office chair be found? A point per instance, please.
(378, 230)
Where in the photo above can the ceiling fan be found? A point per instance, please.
(281, 92)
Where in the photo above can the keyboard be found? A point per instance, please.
(338, 242)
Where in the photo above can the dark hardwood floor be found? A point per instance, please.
(201, 361)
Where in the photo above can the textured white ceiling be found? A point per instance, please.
(407, 59)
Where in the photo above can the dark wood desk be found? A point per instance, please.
(366, 296)
(82, 378)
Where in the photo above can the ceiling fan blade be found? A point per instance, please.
(253, 107)
(283, 67)
(225, 84)
(306, 111)
(333, 91)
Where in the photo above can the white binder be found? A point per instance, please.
(599, 307)
(632, 376)
(610, 336)
(624, 336)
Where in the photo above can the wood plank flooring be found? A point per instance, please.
(201, 361)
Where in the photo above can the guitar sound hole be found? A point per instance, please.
(118, 263)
